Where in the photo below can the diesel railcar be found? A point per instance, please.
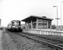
(15, 25)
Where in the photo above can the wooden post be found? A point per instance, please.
(50, 24)
(36, 23)
(31, 25)
(47, 24)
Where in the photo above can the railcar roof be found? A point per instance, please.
(15, 21)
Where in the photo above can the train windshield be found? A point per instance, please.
(16, 23)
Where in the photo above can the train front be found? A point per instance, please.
(15, 26)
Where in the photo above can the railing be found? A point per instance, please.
(44, 31)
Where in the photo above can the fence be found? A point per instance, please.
(44, 31)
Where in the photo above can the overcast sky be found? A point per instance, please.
(20, 9)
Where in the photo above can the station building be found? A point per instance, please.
(37, 22)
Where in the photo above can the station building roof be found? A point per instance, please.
(32, 18)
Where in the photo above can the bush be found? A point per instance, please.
(53, 27)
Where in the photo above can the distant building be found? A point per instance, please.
(0, 22)
(36, 22)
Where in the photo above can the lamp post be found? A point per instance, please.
(57, 15)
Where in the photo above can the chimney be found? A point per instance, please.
(43, 16)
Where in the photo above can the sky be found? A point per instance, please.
(20, 9)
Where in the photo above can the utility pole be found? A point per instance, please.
(57, 15)
(61, 13)
(0, 11)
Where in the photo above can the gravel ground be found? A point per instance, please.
(1, 40)
(12, 41)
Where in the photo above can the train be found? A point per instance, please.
(15, 25)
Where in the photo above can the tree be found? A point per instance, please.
(53, 27)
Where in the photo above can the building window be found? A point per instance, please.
(29, 25)
(40, 20)
(42, 23)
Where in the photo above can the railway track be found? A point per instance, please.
(50, 43)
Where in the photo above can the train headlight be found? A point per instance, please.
(13, 26)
